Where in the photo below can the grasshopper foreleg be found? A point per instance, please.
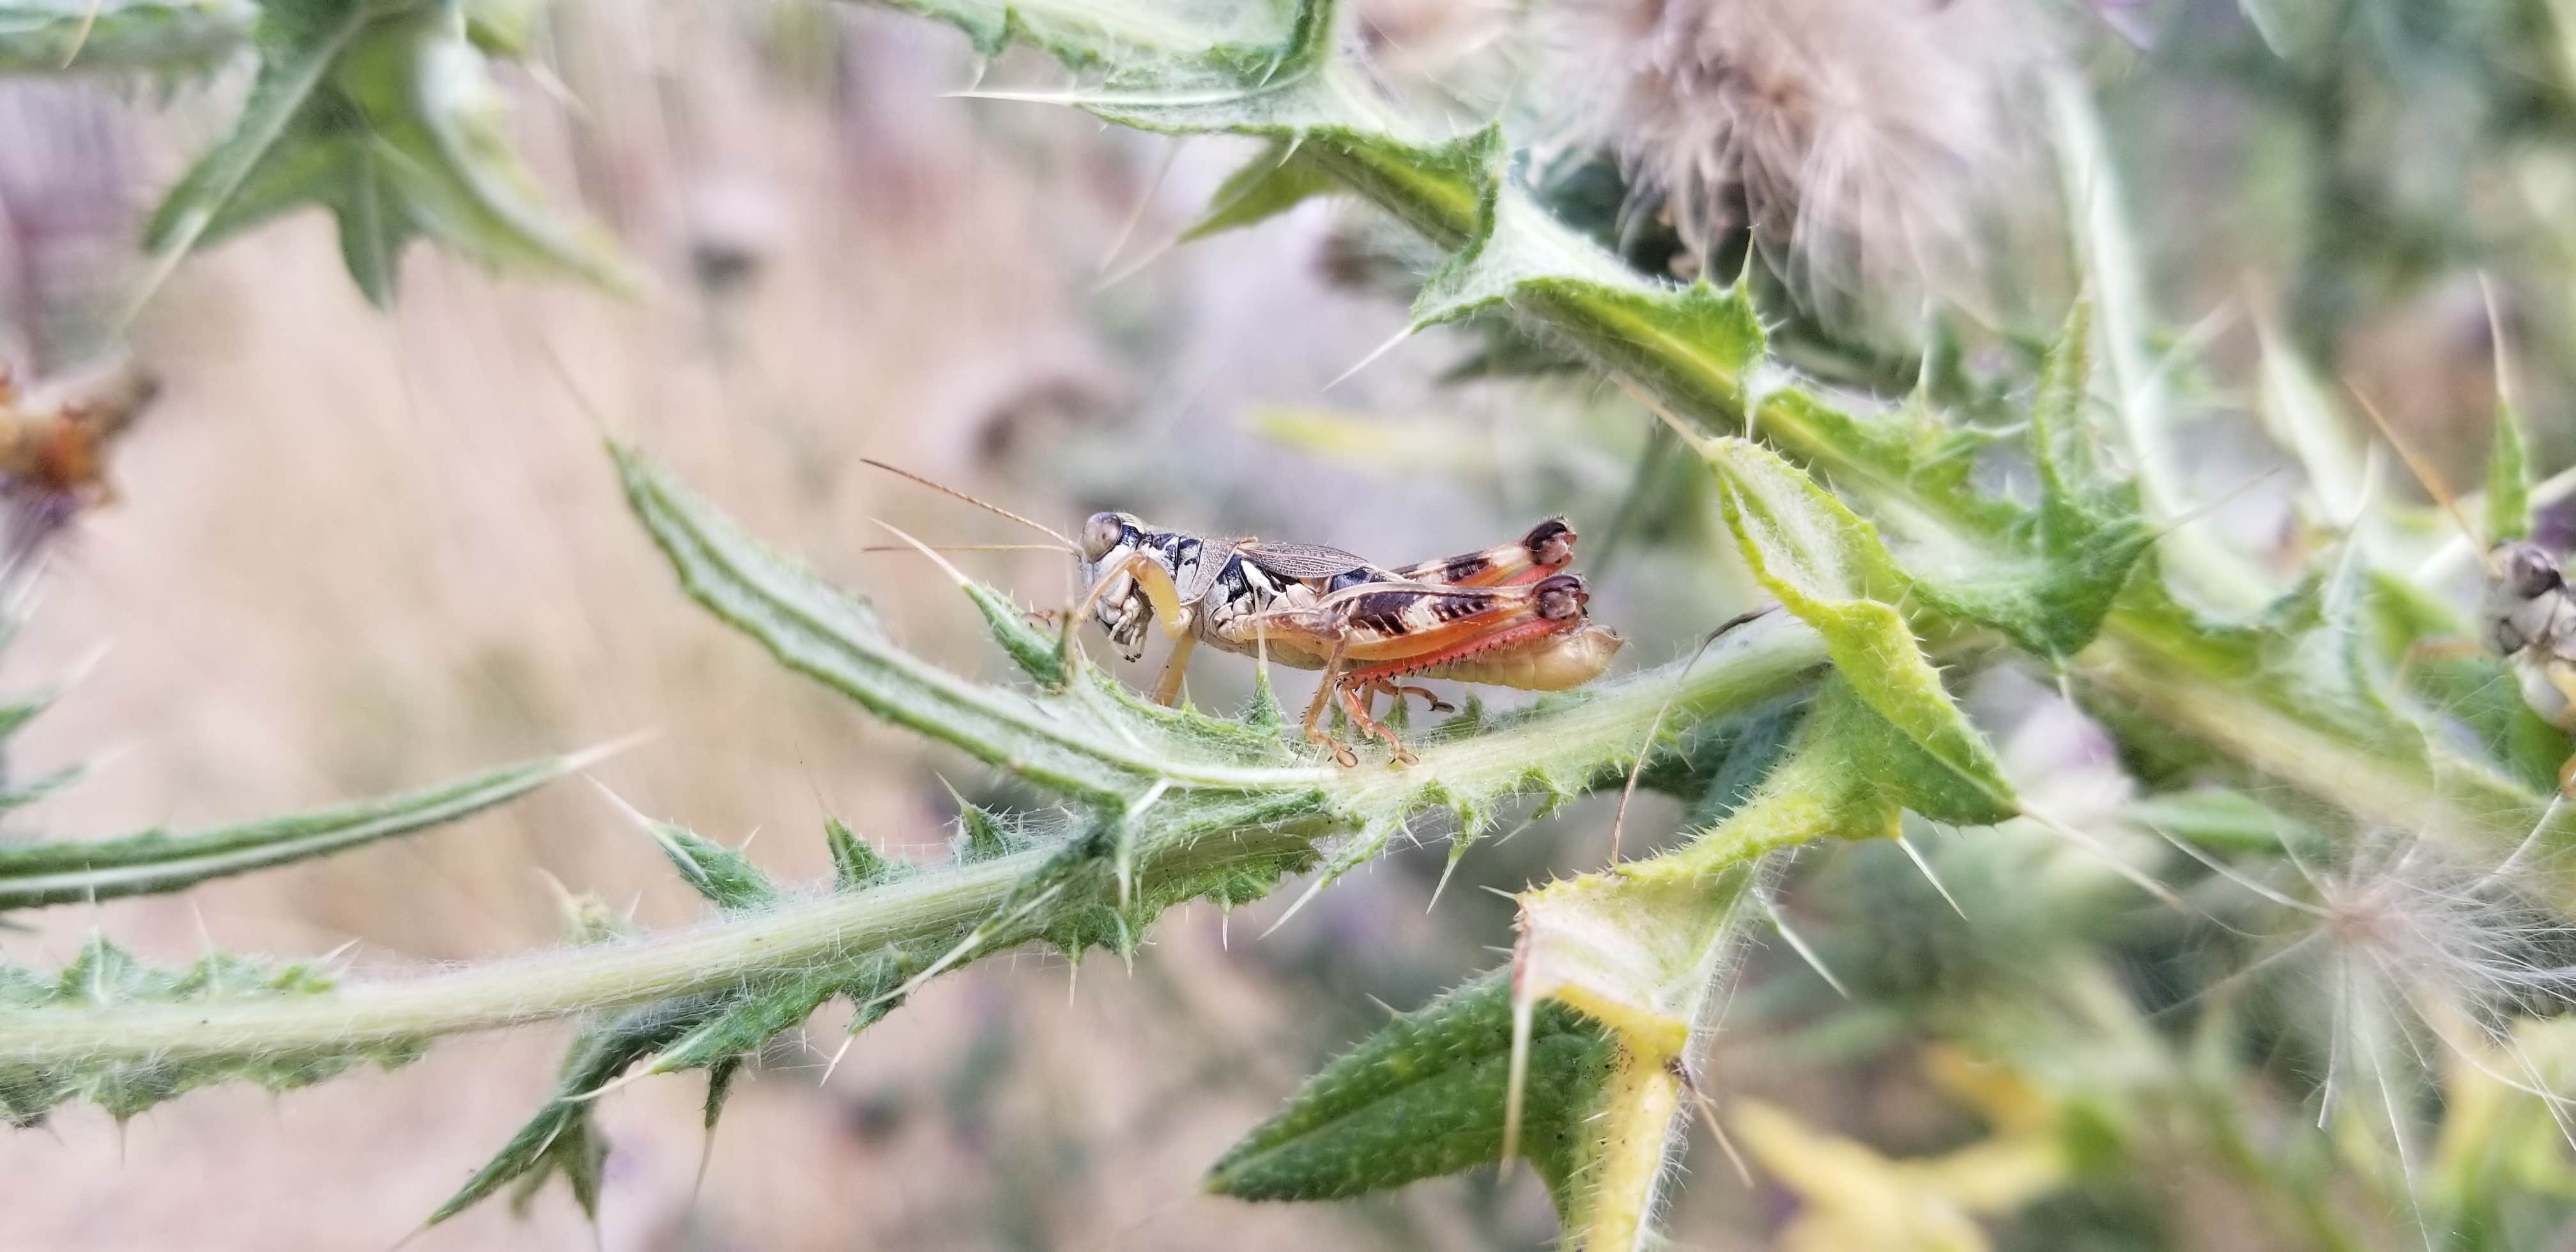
(1176, 617)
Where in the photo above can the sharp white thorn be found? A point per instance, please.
(1371, 359)
(1915, 856)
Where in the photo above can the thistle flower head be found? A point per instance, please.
(1858, 140)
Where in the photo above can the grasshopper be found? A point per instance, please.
(2529, 618)
(1504, 616)
(2526, 611)
(53, 449)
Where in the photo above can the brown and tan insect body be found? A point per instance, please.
(2526, 612)
(1502, 616)
(55, 447)
(2529, 615)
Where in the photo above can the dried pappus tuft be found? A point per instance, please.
(1860, 140)
(2419, 949)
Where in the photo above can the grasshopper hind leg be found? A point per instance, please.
(1326, 690)
(1401, 690)
(1355, 700)
(1167, 686)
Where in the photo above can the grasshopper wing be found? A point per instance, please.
(1307, 560)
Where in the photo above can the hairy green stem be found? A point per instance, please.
(1183, 838)
(566, 981)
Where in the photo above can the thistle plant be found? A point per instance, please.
(2296, 757)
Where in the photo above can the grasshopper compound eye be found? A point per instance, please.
(1101, 534)
(2528, 569)
(1561, 597)
(1550, 543)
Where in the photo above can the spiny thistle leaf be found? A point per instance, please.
(1274, 181)
(750, 1019)
(1714, 766)
(726, 877)
(854, 863)
(1423, 1098)
(1633, 946)
(1039, 654)
(979, 835)
(1079, 743)
(561, 1137)
(1828, 567)
(106, 977)
(1640, 947)
(142, 36)
(2090, 530)
(154, 861)
(386, 114)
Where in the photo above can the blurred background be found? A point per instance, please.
(354, 551)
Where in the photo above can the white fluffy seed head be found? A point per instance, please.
(1863, 141)
(2447, 930)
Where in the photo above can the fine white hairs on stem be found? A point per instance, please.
(1866, 137)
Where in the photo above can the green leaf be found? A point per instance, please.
(980, 836)
(2222, 819)
(1641, 947)
(1423, 1098)
(155, 861)
(105, 977)
(749, 1020)
(726, 877)
(151, 36)
(855, 864)
(384, 113)
(2090, 532)
(1274, 181)
(2428, 643)
(561, 1136)
(23, 794)
(1827, 566)
(2508, 479)
(1094, 740)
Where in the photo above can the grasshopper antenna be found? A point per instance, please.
(2425, 473)
(995, 509)
(962, 547)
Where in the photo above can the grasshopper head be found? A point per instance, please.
(1103, 534)
(2526, 600)
(1560, 596)
(1120, 607)
(1550, 543)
